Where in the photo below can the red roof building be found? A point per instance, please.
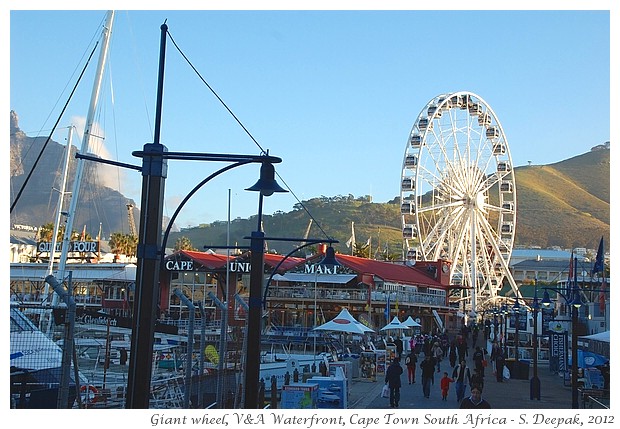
(302, 286)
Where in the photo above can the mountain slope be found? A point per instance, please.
(564, 204)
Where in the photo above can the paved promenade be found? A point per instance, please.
(511, 394)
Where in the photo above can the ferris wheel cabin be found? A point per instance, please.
(508, 206)
(410, 231)
(407, 208)
(408, 184)
(484, 119)
(505, 187)
(499, 149)
(411, 161)
(415, 140)
(492, 133)
(503, 167)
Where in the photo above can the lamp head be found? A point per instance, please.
(576, 301)
(267, 184)
(330, 258)
(546, 301)
(516, 305)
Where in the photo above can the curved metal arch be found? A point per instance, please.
(190, 194)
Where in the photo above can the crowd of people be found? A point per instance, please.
(428, 352)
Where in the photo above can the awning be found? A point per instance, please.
(80, 272)
(311, 278)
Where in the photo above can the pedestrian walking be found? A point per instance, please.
(452, 354)
(392, 379)
(437, 352)
(477, 379)
(428, 374)
(410, 362)
(497, 356)
(475, 400)
(461, 347)
(399, 346)
(123, 356)
(444, 384)
(462, 377)
(474, 336)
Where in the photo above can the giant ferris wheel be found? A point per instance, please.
(458, 195)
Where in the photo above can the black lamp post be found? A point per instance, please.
(574, 302)
(495, 324)
(154, 171)
(504, 310)
(516, 308)
(265, 186)
(535, 381)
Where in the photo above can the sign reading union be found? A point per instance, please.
(74, 246)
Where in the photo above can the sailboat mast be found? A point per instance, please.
(61, 199)
(94, 100)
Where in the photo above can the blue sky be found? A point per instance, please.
(333, 93)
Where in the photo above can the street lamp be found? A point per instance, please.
(535, 381)
(495, 324)
(504, 311)
(574, 302)
(516, 308)
(265, 186)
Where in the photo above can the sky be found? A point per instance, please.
(334, 93)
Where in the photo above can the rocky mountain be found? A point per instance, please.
(99, 206)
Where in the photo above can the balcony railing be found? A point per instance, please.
(403, 298)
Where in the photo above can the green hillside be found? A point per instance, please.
(564, 204)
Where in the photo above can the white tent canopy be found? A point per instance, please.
(395, 324)
(601, 336)
(411, 323)
(344, 322)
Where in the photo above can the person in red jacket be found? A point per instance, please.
(444, 384)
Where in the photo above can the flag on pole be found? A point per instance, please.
(387, 309)
(569, 284)
(351, 241)
(599, 263)
(599, 266)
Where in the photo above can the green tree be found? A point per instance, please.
(46, 233)
(183, 243)
(361, 250)
(125, 244)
